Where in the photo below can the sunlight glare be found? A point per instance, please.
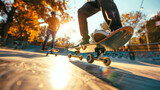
(65, 29)
(60, 75)
(70, 29)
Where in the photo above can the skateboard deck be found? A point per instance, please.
(103, 43)
(111, 42)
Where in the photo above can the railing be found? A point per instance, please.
(143, 47)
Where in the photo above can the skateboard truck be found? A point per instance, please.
(99, 52)
(76, 55)
(52, 52)
(99, 56)
(90, 57)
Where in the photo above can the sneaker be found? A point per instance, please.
(45, 48)
(108, 33)
(100, 35)
(82, 43)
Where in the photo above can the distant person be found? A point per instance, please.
(109, 11)
(53, 26)
(124, 49)
(140, 40)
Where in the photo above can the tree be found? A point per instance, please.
(7, 9)
(24, 26)
(19, 11)
(152, 30)
(132, 19)
(63, 42)
(1, 26)
(133, 41)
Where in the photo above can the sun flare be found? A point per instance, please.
(71, 30)
(60, 75)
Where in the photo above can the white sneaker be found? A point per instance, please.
(100, 34)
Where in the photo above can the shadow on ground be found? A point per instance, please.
(19, 54)
(119, 78)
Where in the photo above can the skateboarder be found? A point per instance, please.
(53, 25)
(109, 11)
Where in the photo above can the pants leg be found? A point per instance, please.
(87, 10)
(46, 39)
(53, 39)
(110, 11)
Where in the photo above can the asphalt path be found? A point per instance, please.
(23, 70)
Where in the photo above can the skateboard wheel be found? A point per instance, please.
(107, 61)
(90, 58)
(69, 55)
(47, 53)
(56, 54)
(80, 57)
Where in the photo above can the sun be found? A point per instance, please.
(64, 28)
(71, 30)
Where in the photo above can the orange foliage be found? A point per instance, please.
(29, 12)
(131, 19)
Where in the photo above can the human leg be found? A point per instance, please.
(84, 12)
(46, 39)
(110, 14)
(53, 39)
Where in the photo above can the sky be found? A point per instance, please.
(150, 8)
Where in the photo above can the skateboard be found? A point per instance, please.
(103, 42)
(51, 51)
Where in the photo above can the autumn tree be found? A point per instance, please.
(133, 41)
(133, 19)
(63, 42)
(1, 26)
(23, 26)
(42, 34)
(152, 30)
(26, 13)
(7, 9)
